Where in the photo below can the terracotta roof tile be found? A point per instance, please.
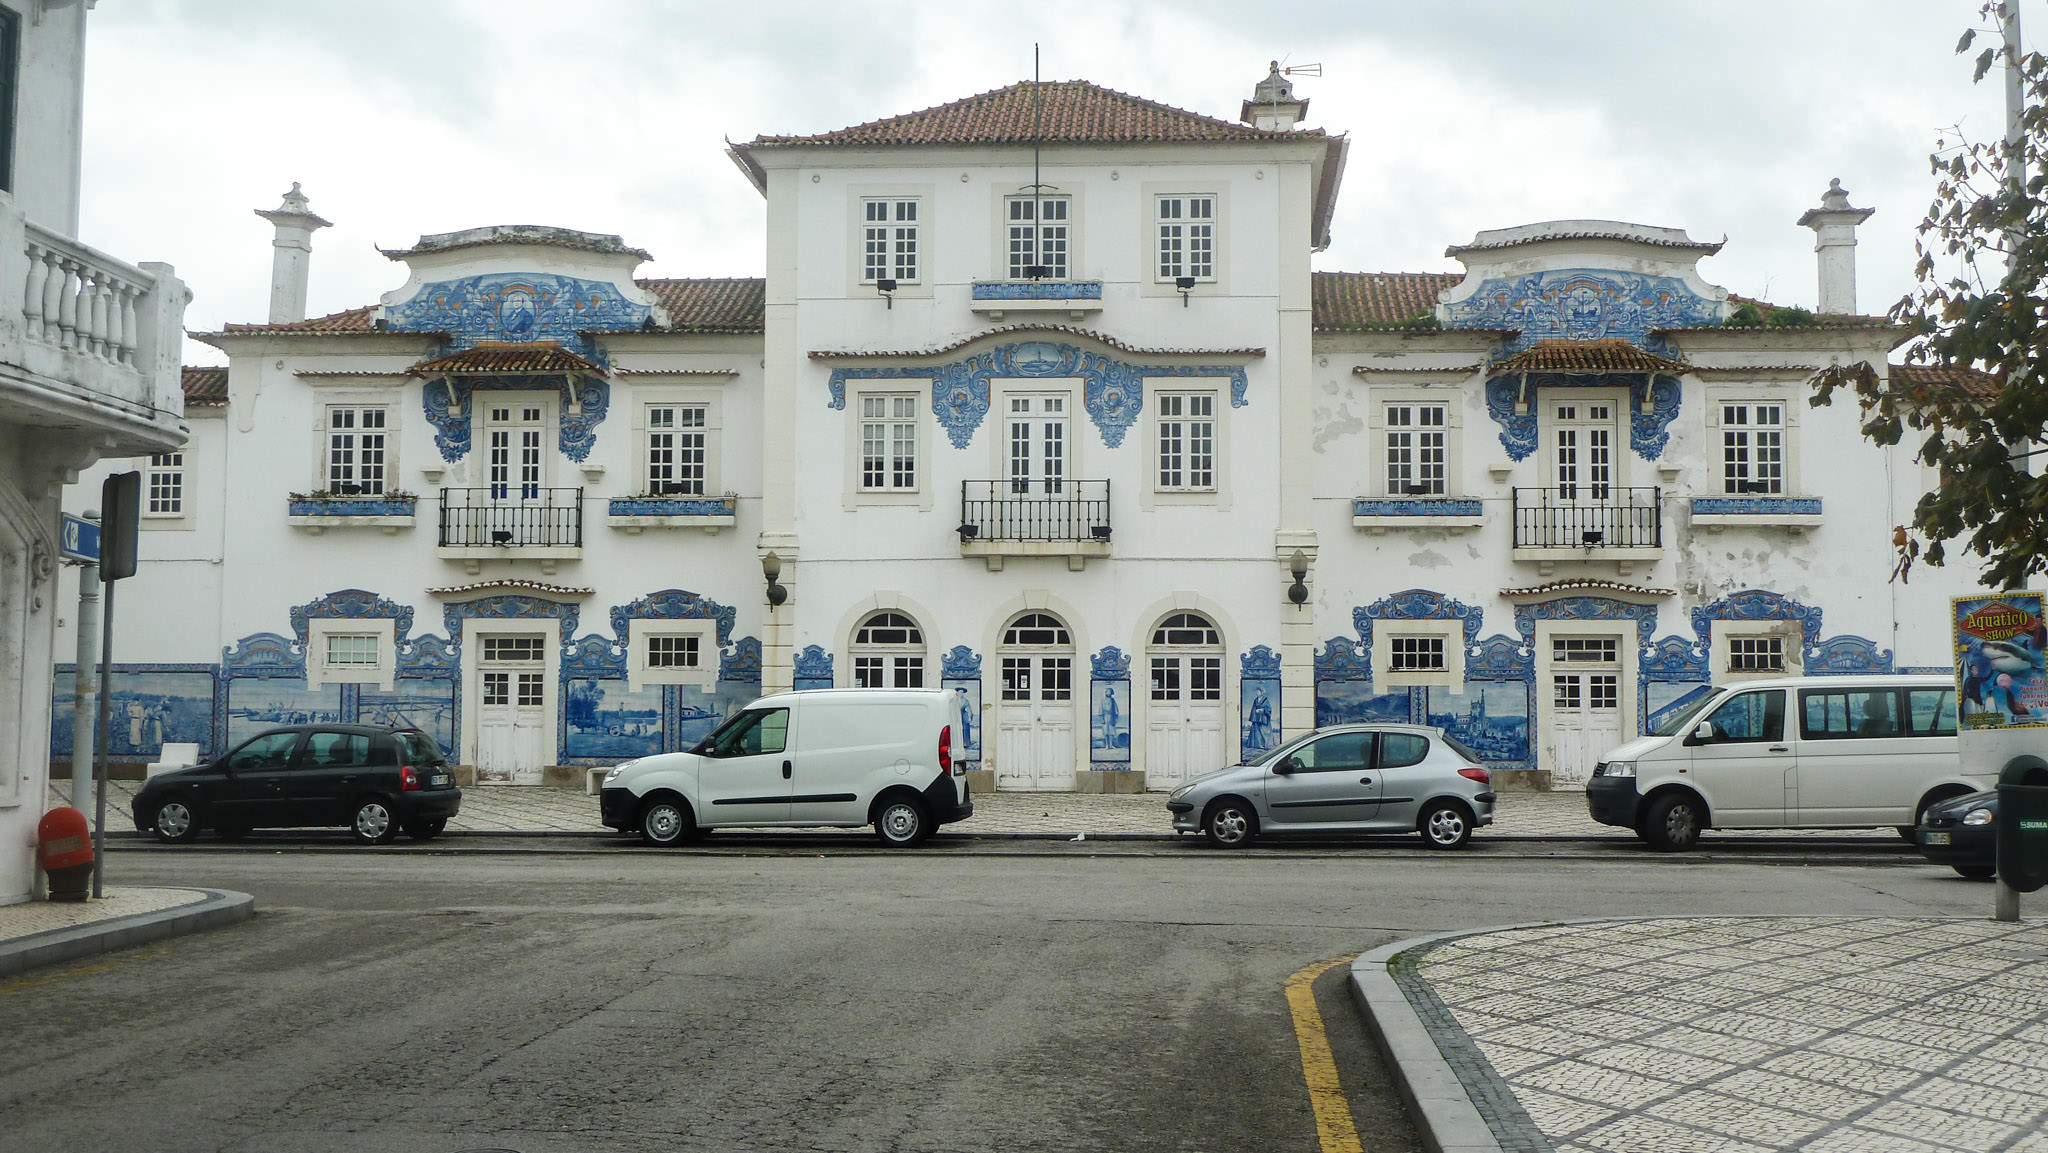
(1062, 112)
(352, 320)
(1583, 584)
(204, 387)
(1918, 381)
(1587, 356)
(1368, 301)
(734, 304)
(518, 359)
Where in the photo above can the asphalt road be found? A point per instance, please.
(800, 995)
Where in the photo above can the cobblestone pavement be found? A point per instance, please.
(1741, 1035)
(529, 809)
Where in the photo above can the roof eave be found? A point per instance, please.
(742, 155)
(1330, 177)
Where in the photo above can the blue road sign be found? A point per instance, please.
(80, 539)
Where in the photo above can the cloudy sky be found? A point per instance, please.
(405, 117)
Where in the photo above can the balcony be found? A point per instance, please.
(1064, 518)
(1588, 522)
(1075, 298)
(88, 342)
(511, 522)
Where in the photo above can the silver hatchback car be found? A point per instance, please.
(1374, 778)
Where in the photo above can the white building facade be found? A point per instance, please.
(1041, 400)
(88, 368)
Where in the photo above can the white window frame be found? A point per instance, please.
(1450, 633)
(645, 401)
(1186, 236)
(922, 493)
(356, 431)
(1041, 235)
(381, 672)
(1151, 493)
(1721, 650)
(892, 656)
(895, 422)
(894, 231)
(640, 672)
(1750, 396)
(1173, 429)
(1451, 402)
(174, 466)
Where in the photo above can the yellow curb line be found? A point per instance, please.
(1318, 1068)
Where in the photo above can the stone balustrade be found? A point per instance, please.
(81, 300)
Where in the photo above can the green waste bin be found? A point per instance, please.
(2023, 824)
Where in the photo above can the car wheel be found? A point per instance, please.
(1673, 822)
(426, 830)
(1976, 872)
(1230, 823)
(901, 822)
(1445, 825)
(373, 823)
(665, 821)
(174, 822)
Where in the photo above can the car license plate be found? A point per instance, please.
(438, 779)
(1935, 839)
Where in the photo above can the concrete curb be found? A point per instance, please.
(1435, 1097)
(217, 908)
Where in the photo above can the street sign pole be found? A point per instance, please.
(121, 512)
(99, 817)
(78, 542)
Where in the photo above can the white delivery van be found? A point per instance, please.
(1791, 752)
(815, 758)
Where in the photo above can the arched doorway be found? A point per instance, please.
(1035, 715)
(1184, 724)
(888, 652)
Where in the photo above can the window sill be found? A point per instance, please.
(1452, 513)
(1076, 298)
(635, 516)
(1794, 514)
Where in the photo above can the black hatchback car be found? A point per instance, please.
(1962, 833)
(375, 781)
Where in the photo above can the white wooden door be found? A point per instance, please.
(1035, 724)
(1038, 505)
(1184, 717)
(1585, 705)
(512, 708)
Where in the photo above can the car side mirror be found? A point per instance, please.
(1702, 733)
(1288, 765)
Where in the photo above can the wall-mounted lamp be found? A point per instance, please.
(1185, 284)
(1298, 565)
(968, 530)
(771, 567)
(887, 288)
(1099, 531)
(1591, 538)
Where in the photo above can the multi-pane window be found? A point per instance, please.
(1753, 449)
(672, 652)
(1038, 237)
(166, 484)
(1187, 237)
(1756, 654)
(889, 240)
(1187, 440)
(1415, 654)
(1415, 450)
(1203, 678)
(351, 650)
(888, 443)
(1584, 650)
(676, 449)
(888, 653)
(355, 451)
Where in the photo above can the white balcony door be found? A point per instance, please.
(1035, 746)
(515, 471)
(1038, 492)
(514, 701)
(1586, 714)
(1184, 716)
(1582, 470)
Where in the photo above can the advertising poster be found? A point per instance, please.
(1999, 677)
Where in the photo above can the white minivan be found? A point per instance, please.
(1790, 752)
(814, 758)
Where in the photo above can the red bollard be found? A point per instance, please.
(64, 845)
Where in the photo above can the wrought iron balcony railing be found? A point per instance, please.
(1588, 516)
(1038, 510)
(511, 516)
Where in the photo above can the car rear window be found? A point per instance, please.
(418, 748)
(1399, 749)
